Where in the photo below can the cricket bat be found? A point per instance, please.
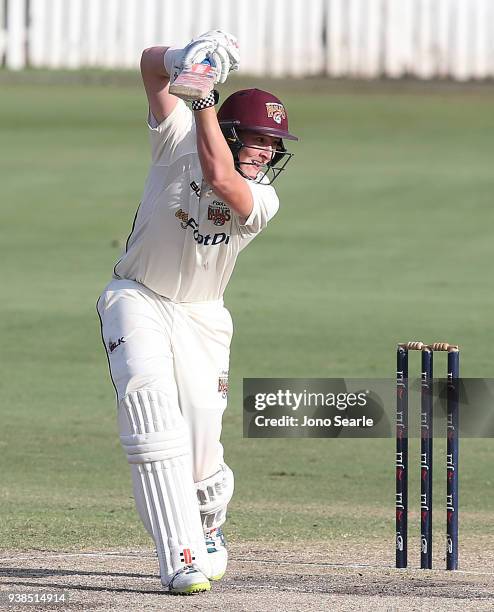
(195, 82)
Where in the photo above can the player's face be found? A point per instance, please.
(258, 150)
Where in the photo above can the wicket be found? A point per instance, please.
(426, 456)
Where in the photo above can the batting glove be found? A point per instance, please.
(220, 48)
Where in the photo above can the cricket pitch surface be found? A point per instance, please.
(316, 576)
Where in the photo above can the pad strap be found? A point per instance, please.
(159, 446)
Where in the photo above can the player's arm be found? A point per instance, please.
(218, 166)
(156, 82)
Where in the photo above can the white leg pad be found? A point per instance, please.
(213, 495)
(156, 441)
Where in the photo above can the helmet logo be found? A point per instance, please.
(276, 111)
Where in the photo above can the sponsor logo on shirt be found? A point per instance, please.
(206, 239)
(183, 216)
(223, 384)
(218, 213)
(196, 189)
(112, 345)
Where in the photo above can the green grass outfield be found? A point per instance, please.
(385, 234)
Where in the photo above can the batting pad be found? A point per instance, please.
(213, 495)
(155, 438)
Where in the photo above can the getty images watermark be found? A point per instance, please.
(286, 398)
(357, 408)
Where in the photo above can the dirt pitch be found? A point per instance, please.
(260, 577)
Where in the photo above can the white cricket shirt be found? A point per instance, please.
(185, 239)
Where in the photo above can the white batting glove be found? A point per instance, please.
(220, 48)
(174, 62)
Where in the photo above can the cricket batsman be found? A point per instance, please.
(164, 326)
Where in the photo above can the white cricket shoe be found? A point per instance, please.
(217, 553)
(187, 581)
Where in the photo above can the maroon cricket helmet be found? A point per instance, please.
(256, 110)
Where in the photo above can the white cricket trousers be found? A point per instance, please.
(179, 349)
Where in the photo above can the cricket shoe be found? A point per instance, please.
(217, 553)
(187, 581)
